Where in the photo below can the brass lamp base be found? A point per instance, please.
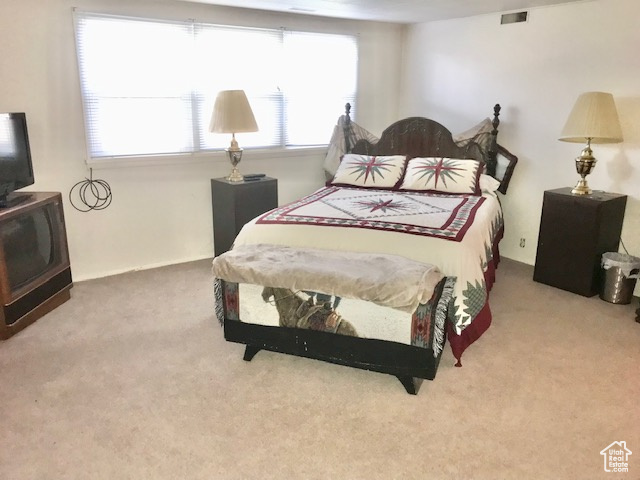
(585, 164)
(235, 155)
(235, 176)
(581, 188)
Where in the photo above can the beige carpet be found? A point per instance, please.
(132, 379)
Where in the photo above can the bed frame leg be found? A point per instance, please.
(250, 352)
(411, 384)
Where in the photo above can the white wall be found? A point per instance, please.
(455, 71)
(160, 214)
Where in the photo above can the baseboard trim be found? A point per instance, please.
(81, 278)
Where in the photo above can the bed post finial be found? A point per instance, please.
(347, 128)
(492, 162)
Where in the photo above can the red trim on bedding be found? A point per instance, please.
(454, 228)
(481, 323)
(470, 334)
(490, 274)
(496, 248)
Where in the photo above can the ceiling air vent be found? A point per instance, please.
(513, 17)
(302, 9)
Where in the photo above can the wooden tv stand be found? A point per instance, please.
(35, 273)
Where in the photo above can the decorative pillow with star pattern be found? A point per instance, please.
(370, 171)
(443, 175)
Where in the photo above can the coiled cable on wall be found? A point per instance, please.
(93, 194)
(623, 247)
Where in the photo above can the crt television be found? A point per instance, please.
(16, 169)
(35, 274)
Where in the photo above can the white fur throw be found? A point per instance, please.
(386, 280)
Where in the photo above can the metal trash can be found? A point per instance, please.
(620, 275)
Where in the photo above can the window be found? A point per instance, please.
(149, 86)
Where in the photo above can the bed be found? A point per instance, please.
(394, 256)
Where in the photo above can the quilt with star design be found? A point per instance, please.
(457, 233)
(442, 216)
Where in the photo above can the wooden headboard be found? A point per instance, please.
(422, 137)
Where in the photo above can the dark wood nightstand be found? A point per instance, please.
(235, 203)
(575, 230)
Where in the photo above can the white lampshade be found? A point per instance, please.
(594, 116)
(232, 113)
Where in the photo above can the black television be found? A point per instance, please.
(16, 168)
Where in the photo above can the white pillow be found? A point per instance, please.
(488, 184)
(370, 171)
(443, 175)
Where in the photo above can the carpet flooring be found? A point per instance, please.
(132, 379)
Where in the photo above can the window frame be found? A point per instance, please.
(199, 151)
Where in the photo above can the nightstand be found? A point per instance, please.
(236, 203)
(575, 230)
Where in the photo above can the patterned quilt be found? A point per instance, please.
(454, 232)
(434, 215)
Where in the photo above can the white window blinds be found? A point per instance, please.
(149, 86)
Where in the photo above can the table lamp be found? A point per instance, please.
(594, 119)
(232, 114)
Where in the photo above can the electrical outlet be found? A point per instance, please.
(522, 242)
